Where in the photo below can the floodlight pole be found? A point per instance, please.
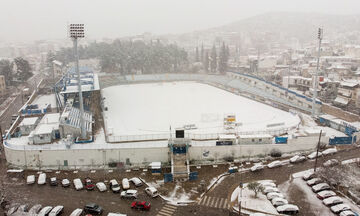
(315, 85)
(75, 33)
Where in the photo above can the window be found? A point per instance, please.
(252, 140)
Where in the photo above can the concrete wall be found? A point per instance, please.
(338, 112)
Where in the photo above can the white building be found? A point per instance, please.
(47, 130)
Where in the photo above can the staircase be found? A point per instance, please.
(179, 159)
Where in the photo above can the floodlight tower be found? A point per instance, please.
(316, 81)
(77, 31)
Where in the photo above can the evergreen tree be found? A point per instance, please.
(23, 72)
(206, 61)
(6, 68)
(213, 60)
(202, 53)
(197, 55)
(223, 56)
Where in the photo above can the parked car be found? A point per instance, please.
(268, 184)
(78, 185)
(141, 205)
(288, 209)
(313, 155)
(114, 186)
(35, 209)
(325, 194)
(42, 179)
(76, 212)
(65, 183)
(347, 213)
(339, 208)
(45, 211)
(57, 210)
(137, 182)
(297, 159)
(309, 175)
(93, 208)
(101, 186)
(274, 164)
(130, 194)
(151, 191)
(30, 179)
(270, 189)
(125, 183)
(257, 167)
(116, 214)
(334, 200)
(314, 181)
(329, 151)
(279, 201)
(53, 181)
(320, 187)
(273, 195)
(13, 208)
(89, 185)
(23, 208)
(331, 162)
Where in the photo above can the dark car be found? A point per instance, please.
(53, 181)
(141, 205)
(93, 208)
(88, 184)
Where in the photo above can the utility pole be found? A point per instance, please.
(77, 31)
(317, 151)
(315, 84)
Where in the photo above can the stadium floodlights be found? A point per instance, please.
(76, 31)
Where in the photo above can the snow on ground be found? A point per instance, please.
(309, 123)
(152, 108)
(217, 180)
(261, 203)
(178, 196)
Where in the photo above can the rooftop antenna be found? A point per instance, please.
(77, 31)
(315, 84)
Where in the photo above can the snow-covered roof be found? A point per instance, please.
(29, 121)
(227, 136)
(57, 63)
(349, 84)
(50, 118)
(255, 136)
(342, 100)
(155, 165)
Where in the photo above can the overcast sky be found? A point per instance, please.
(47, 19)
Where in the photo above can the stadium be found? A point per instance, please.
(136, 119)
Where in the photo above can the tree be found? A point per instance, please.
(6, 68)
(256, 187)
(202, 53)
(23, 71)
(197, 55)
(213, 60)
(223, 58)
(206, 61)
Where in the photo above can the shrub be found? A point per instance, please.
(275, 153)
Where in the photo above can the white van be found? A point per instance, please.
(30, 179)
(125, 183)
(42, 179)
(78, 184)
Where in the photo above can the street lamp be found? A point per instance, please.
(77, 31)
(315, 85)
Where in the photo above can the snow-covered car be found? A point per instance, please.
(270, 189)
(130, 194)
(53, 181)
(257, 214)
(288, 209)
(76, 212)
(320, 187)
(274, 164)
(12, 209)
(45, 211)
(297, 159)
(151, 191)
(334, 200)
(57, 210)
(23, 208)
(114, 186)
(325, 194)
(279, 201)
(116, 214)
(313, 155)
(78, 184)
(65, 182)
(331, 162)
(30, 179)
(314, 181)
(101, 186)
(257, 167)
(125, 183)
(268, 184)
(339, 208)
(137, 182)
(347, 213)
(42, 179)
(309, 175)
(329, 151)
(35, 209)
(273, 195)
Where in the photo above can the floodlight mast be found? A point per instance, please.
(77, 31)
(316, 80)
